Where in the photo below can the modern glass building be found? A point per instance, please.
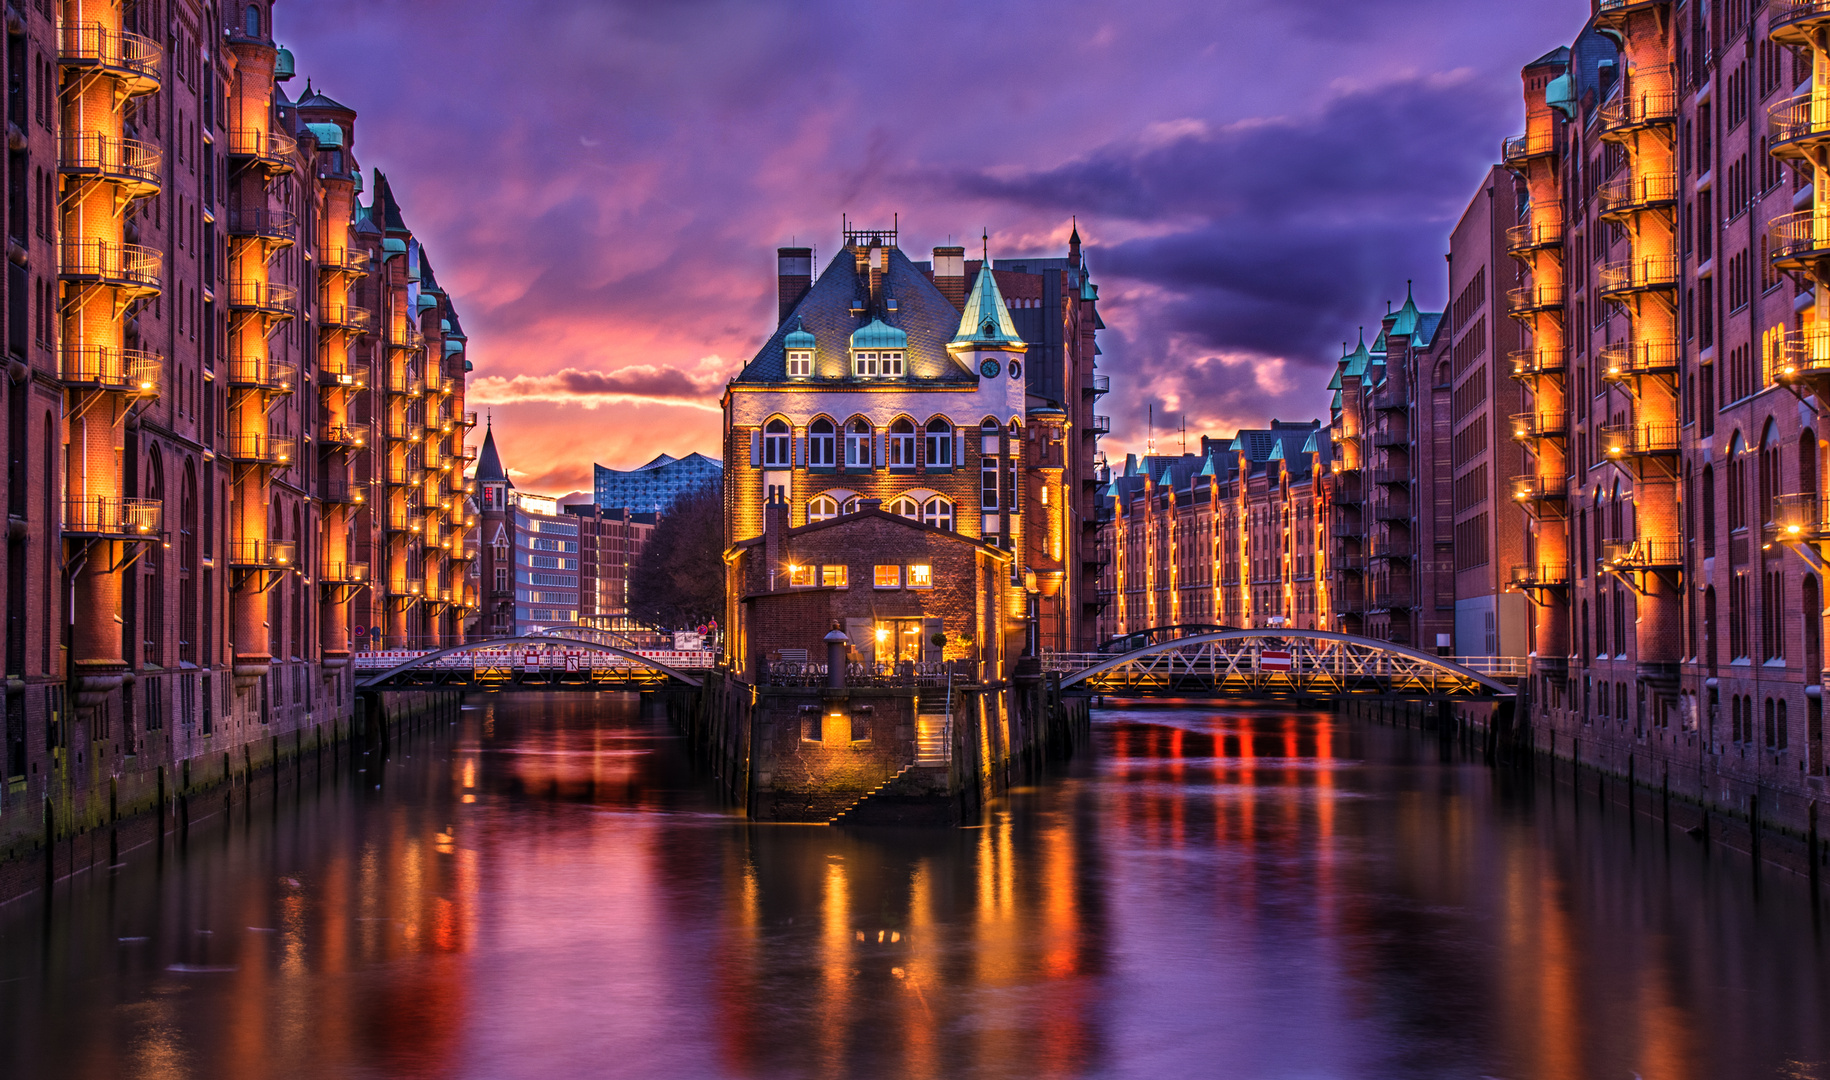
(656, 485)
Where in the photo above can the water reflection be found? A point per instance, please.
(547, 890)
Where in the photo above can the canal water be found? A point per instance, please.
(546, 889)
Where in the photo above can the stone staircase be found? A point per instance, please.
(841, 816)
(933, 739)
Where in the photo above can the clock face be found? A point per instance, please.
(989, 369)
(1016, 369)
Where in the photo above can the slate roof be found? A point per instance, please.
(489, 463)
(825, 312)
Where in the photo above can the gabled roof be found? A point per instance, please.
(859, 515)
(986, 318)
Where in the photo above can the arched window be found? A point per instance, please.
(1769, 474)
(938, 512)
(253, 24)
(1709, 511)
(940, 444)
(153, 632)
(822, 508)
(850, 506)
(902, 444)
(906, 507)
(1737, 495)
(820, 442)
(1807, 462)
(776, 445)
(858, 444)
(188, 577)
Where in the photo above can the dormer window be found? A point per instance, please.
(892, 363)
(864, 363)
(800, 363)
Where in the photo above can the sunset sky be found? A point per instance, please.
(601, 185)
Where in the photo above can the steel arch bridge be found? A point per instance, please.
(1273, 663)
(560, 663)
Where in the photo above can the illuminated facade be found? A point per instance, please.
(205, 325)
(959, 394)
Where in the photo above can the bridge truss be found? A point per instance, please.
(1274, 663)
(533, 662)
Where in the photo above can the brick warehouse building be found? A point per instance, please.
(236, 397)
(959, 393)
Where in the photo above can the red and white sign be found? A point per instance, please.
(530, 660)
(572, 656)
(1274, 660)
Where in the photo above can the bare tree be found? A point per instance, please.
(679, 582)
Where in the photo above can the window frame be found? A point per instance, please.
(859, 444)
(819, 514)
(778, 444)
(939, 448)
(919, 575)
(800, 363)
(939, 512)
(886, 576)
(900, 448)
(822, 446)
(835, 576)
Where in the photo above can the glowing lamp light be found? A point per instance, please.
(883, 635)
(1792, 530)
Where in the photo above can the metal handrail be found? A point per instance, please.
(1644, 272)
(1806, 116)
(1541, 574)
(112, 262)
(1538, 425)
(264, 223)
(1626, 440)
(121, 51)
(350, 573)
(1624, 358)
(112, 515)
(274, 554)
(1638, 190)
(262, 373)
(1535, 297)
(1534, 488)
(104, 367)
(274, 147)
(1529, 362)
(1518, 148)
(107, 155)
(1801, 233)
(1533, 234)
(262, 296)
(263, 449)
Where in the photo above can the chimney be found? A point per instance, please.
(879, 266)
(950, 275)
(793, 277)
(870, 504)
(775, 538)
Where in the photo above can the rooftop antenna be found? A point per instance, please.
(1150, 443)
(985, 246)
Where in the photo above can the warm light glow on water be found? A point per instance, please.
(1208, 893)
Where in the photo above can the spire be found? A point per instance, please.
(489, 463)
(1074, 244)
(986, 321)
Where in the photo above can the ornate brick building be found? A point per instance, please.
(958, 393)
(235, 397)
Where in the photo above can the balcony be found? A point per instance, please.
(342, 435)
(1533, 236)
(1530, 299)
(1796, 518)
(1390, 398)
(1352, 564)
(1620, 441)
(1802, 357)
(263, 554)
(470, 421)
(269, 151)
(1095, 385)
(344, 573)
(1625, 360)
(1634, 109)
(1390, 477)
(404, 337)
(253, 449)
(132, 268)
(1643, 554)
(136, 166)
(404, 429)
(1615, 12)
(1519, 149)
(1795, 22)
(102, 367)
(1392, 438)
(1527, 426)
(401, 382)
(339, 376)
(1644, 274)
(1348, 489)
(130, 58)
(1395, 510)
(343, 260)
(1540, 576)
(273, 227)
(274, 301)
(342, 491)
(344, 316)
(403, 474)
(1100, 425)
(1798, 240)
(1393, 549)
(1392, 597)
(1533, 491)
(1636, 192)
(409, 520)
(1537, 363)
(1798, 125)
(262, 373)
(113, 517)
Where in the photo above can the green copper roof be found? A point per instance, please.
(453, 347)
(986, 320)
(798, 338)
(427, 301)
(1334, 383)
(1277, 451)
(284, 66)
(394, 245)
(328, 135)
(1309, 446)
(1358, 359)
(1406, 322)
(1336, 406)
(878, 334)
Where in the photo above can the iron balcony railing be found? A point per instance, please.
(104, 367)
(1519, 149)
(1639, 108)
(262, 296)
(1390, 397)
(268, 554)
(403, 473)
(127, 56)
(344, 573)
(1640, 274)
(1391, 438)
(263, 224)
(1797, 122)
(1796, 517)
(262, 373)
(409, 519)
(1533, 235)
(399, 336)
(273, 150)
(250, 448)
(1531, 363)
(1639, 440)
(341, 489)
(344, 260)
(340, 376)
(1393, 510)
(1539, 425)
(132, 267)
(404, 429)
(1643, 554)
(344, 316)
(1798, 237)
(407, 587)
(139, 165)
(1534, 488)
(1097, 384)
(1387, 547)
(342, 435)
(1529, 298)
(470, 420)
(1801, 355)
(1393, 596)
(1101, 425)
(1540, 575)
(1788, 19)
(112, 516)
(1625, 359)
(401, 382)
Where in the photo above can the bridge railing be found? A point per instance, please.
(885, 674)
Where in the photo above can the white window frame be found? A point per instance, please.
(858, 447)
(938, 512)
(778, 445)
(864, 364)
(902, 445)
(821, 444)
(878, 575)
(800, 363)
(920, 576)
(940, 446)
(906, 507)
(892, 362)
(822, 508)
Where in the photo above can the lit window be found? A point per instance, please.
(921, 576)
(938, 512)
(940, 444)
(822, 508)
(864, 363)
(800, 575)
(858, 444)
(776, 445)
(833, 577)
(892, 363)
(905, 507)
(902, 444)
(820, 439)
(889, 577)
(800, 363)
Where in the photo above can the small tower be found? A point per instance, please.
(491, 477)
(987, 341)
